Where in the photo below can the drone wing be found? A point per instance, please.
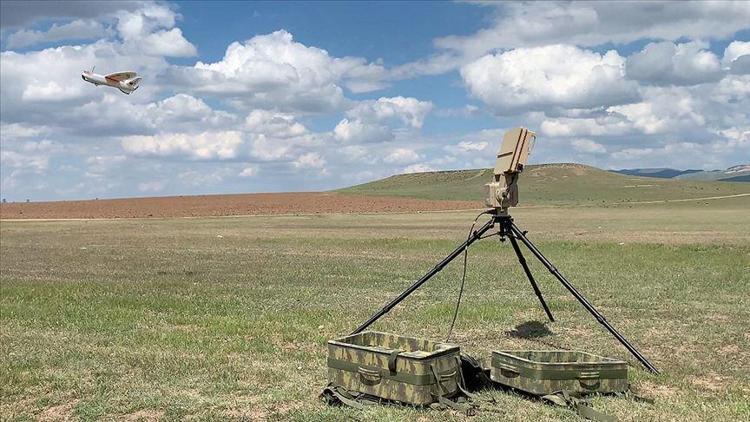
(121, 76)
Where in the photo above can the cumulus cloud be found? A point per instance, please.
(280, 125)
(99, 164)
(373, 121)
(11, 131)
(152, 186)
(76, 30)
(37, 86)
(358, 132)
(167, 43)
(472, 146)
(203, 146)
(16, 13)
(409, 111)
(249, 171)
(274, 71)
(588, 146)
(311, 160)
(544, 77)
(417, 168)
(666, 63)
(737, 57)
(595, 23)
(402, 156)
(666, 110)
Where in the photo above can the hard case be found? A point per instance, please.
(393, 367)
(546, 372)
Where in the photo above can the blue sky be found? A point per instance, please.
(278, 96)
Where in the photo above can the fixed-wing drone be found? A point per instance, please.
(126, 82)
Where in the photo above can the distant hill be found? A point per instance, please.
(734, 174)
(662, 173)
(743, 178)
(548, 184)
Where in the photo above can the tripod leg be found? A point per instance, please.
(526, 269)
(475, 236)
(586, 304)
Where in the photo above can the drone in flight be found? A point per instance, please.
(126, 82)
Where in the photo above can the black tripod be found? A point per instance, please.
(507, 228)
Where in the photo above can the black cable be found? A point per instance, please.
(463, 276)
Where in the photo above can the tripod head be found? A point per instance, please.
(511, 158)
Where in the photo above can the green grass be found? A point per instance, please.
(222, 318)
(549, 184)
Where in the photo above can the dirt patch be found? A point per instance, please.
(254, 414)
(711, 382)
(224, 205)
(649, 389)
(62, 412)
(145, 415)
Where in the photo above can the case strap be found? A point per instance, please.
(331, 392)
(465, 408)
(582, 407)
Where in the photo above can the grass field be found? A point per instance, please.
(222, 318)
(550, 184)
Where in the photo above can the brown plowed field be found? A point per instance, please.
(220, 205)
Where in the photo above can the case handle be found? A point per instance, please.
(508, 371)
(589, 380)
(369, 376)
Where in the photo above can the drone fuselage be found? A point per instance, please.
(125, 86)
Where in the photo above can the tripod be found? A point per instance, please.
(507, 228)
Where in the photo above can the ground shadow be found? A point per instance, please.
(530, 330)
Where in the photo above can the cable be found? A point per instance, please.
(463, 276)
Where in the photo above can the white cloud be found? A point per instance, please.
(588, 146)
(665, 110)
(735, 50)
(168, 43)
(472, 146)
(17, 13)
(582, 23)
(29, 156)
(666, 63)
(409, 111)
(595, 23)
(143, 37)
(311, 160)
(150, 30)
(102, 163)
(202, 179)
(357, 132)
(737, 57)
(280, 125)
(417, 168)
(78, 29)
(608, 124)
(402, 156)
(148, 18)
(274, 71)
(544, 77)
(152, 186)
(248, 172)
(203, 146)
(16, 130)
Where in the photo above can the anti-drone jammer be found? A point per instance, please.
(503, 194)
(511, 158)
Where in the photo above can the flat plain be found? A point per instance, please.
(227, 317)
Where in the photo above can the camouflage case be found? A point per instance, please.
(392, 367)
(546, 372)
